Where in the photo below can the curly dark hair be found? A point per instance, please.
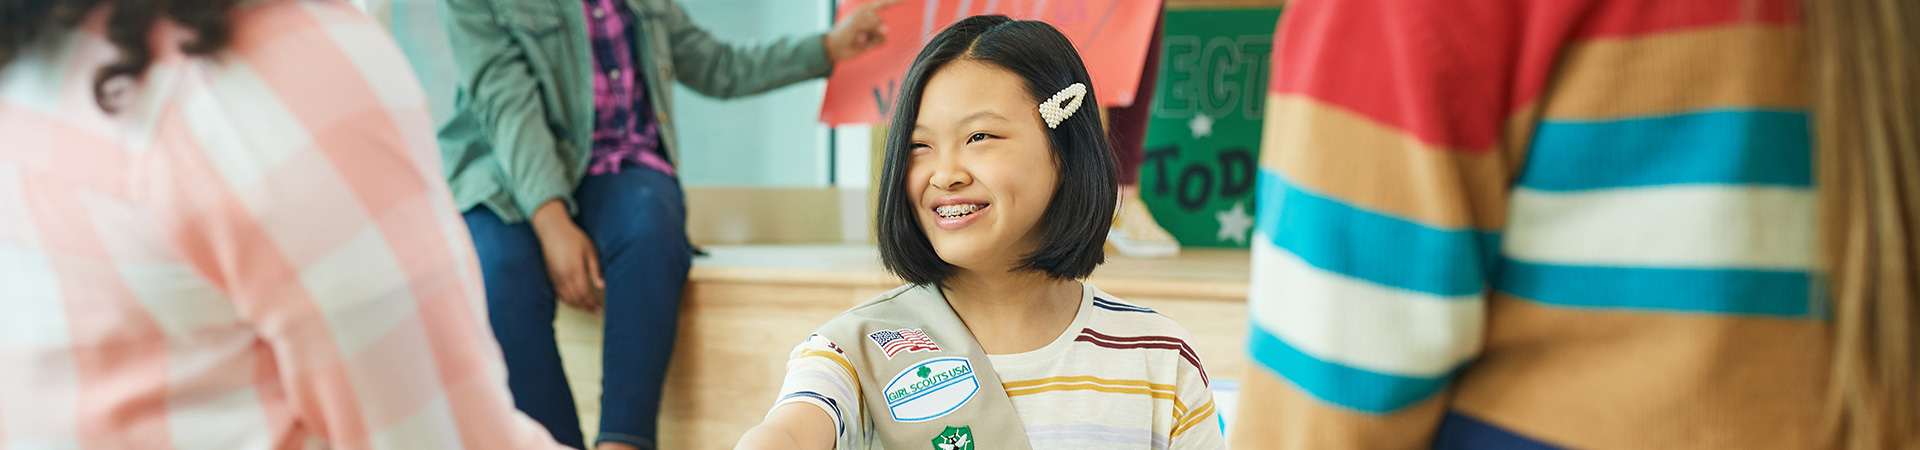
(24, 21)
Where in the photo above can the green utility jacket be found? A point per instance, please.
(522, 126)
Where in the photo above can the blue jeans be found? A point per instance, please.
(637, 221)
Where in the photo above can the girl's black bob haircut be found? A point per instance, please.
(1074, 226)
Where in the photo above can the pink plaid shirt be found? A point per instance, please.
(256, 252)
(624, 127)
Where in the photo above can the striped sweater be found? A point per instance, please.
(1527, 224)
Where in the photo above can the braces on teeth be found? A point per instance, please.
(952, 211)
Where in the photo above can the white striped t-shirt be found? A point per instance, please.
(1119, 377)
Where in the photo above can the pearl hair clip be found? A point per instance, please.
(1054, 111)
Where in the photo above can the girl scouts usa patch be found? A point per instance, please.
(931, 389)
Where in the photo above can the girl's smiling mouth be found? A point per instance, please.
(954, 213)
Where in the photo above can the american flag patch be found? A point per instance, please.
(893, 342)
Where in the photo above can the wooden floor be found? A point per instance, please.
(746, 306)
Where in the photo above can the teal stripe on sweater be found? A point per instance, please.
(1373, 247)
(1724, 146)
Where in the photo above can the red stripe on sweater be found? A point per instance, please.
(1453, 73)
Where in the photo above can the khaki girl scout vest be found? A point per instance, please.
(923, 379)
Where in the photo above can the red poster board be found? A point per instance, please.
(1111, 35)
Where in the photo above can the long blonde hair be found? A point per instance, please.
(1866, 119)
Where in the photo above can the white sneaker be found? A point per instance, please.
(1136, 235)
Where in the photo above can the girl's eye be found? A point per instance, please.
(978, 137)
(918, 148)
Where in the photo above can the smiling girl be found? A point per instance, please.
(997, 195)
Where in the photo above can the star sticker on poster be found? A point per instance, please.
(1234, 224)
(1201, 125)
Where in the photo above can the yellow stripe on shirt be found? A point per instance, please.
(838, 358)
(1090, 386)
(1199, 416)
(1087, 379)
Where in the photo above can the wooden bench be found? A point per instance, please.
(747, 306)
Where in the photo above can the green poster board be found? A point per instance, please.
(1203, 142)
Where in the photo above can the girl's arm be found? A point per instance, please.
(819, 403)
(1384, 187)
(790, 426)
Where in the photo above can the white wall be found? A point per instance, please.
(773, 139)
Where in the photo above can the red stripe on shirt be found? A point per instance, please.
(1154, 342)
